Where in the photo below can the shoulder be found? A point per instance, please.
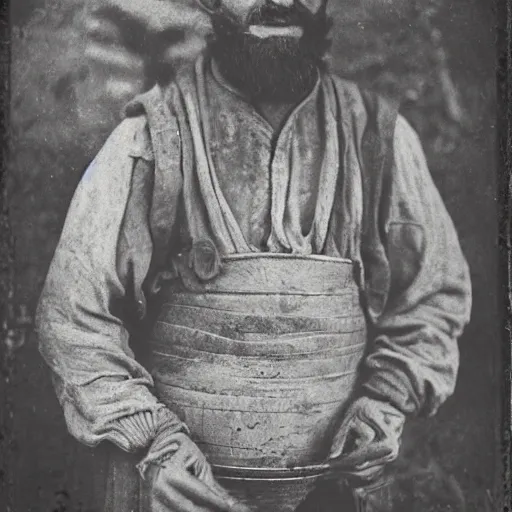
(130, 139)
(364, 105)
(136, 133)
(152, 121)
(348, 93)
(111, 169)
(405, 135)
(409, 156)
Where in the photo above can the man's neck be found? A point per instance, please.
(275, 112)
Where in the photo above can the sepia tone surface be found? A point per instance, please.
(441, 62)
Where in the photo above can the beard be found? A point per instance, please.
(271, 69)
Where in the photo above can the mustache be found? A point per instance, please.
(275, 14)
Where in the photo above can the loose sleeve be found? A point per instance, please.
(104, 392)
(413, 359)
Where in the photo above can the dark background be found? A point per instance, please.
(438, 56)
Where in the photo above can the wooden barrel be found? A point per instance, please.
(261, 360)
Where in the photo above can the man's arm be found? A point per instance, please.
(413, 360)
(105, 251)
(419, 311)
(82, 338)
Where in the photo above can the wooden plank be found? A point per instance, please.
(237, 326)
(165, 335)
(266, 273)
(328, 362)
(272, 304)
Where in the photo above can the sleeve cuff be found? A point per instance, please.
(137, 431)
(165, 442)
(390, 387)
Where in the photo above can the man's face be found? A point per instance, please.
(271, 49)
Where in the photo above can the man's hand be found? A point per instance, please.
(368, 438)
(131, 43)
(183, 481)
(175, 489)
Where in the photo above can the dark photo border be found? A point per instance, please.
(8, 477)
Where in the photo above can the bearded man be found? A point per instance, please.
(256, 275)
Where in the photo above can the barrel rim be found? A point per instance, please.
(279, 255)
(275, 473)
